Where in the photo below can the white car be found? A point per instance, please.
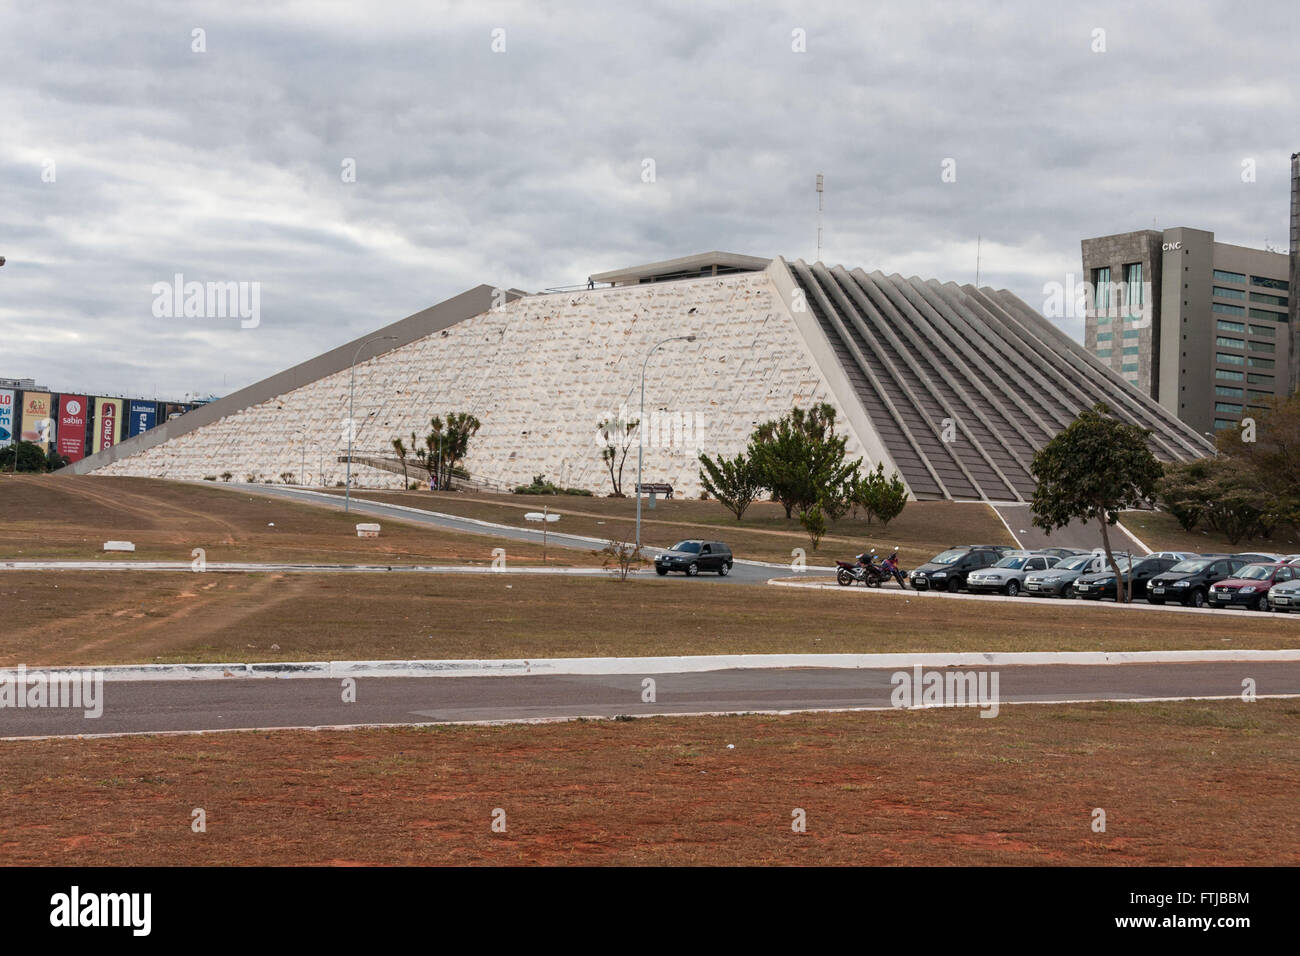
(1285, 597)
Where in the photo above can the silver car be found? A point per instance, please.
(1059, 581)
(1008, 575)
(1285, 597)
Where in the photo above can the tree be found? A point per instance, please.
(31, 457)
(403, 452)
(622, 555)
(1092, 470)
(814, 522)
(455, 434)
(1266, 458)
(878, 496)
(615, 437)
(1183, 489)
(733, 482)
(801, 460)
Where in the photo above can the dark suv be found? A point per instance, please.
(692, 557)
(1188, 582)
(948, 570)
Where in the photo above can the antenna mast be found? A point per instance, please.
(977, 261)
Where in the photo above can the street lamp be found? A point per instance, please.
(352, 423)
(640, 426)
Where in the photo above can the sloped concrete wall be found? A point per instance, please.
(540, 374)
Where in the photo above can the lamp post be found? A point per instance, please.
(352, 422)
(640, 429)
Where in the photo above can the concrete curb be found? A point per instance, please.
(214, 567)
(596, 666)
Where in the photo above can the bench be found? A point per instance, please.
(653, 488)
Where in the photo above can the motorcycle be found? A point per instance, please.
(864, 571)
(889, 568)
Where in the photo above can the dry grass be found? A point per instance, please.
(1161, 532)
(56, 517)
(107, 617)
(923, 529)
(1185, 784)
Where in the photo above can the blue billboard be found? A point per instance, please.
(143, 416)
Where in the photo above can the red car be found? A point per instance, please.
(1250, 587)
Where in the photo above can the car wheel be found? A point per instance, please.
(843, 578)
(1262, 604)
(723, 570)
(1197, 598)
(1067, 592)
(693, 570)
(1013, 588)
(1155, 600)
(953, 586)
(661, 571)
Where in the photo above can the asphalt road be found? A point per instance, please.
(743, 572)
(231, 704)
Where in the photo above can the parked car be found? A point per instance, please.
(948, 569)
(1008, 575)
(1286, 597)
(692, 557)
(1176, 555)
(1103, 583)
(1059, 581)
(1291, 558)
(1260, 557)
(1250, 586)
(1062, 552)
(1188, 582)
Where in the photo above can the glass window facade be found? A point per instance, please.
(1263, 299)
(1228, 309)
(1266, 314)
(1101, 289)
(1132, 333)
(1263, 347)
(1225, 375)
(1104, 353)
(1259, 379)
(1260, 362)
(1227, 391)
(1132, 349)
(1229, 359)
(1230, 343)
(1269, 330)
(1227, 407)
(1224, 325)
(1271, 283)
(1105, 336)
(1229, 293)
(1237, 277)
(1133, 288)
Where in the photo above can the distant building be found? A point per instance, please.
(1200, 326)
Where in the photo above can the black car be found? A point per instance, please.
(1094, 587)
(1188, 582)
(948, 570)
(692, 557)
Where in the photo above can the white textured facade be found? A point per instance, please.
(540, 373)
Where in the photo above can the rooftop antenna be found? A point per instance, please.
(977, 261)
(820, 184)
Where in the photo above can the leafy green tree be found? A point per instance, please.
(1096, 467)
(801, 460)
(814, 522)
(734, 482)
(1183, 491)
(880, 497)
(31, 457)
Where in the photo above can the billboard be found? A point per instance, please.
(142, 417)
(6, 416)
(37, 421)
(72, 427)
(108, 417)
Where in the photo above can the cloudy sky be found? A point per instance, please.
(128, 156)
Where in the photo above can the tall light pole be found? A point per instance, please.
(640, 429)
(352, 422)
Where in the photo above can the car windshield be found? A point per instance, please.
(1074, 564)
(692, 546)
(947, 557)
(1189, 567)
(1014, 562)
(1256, 572)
